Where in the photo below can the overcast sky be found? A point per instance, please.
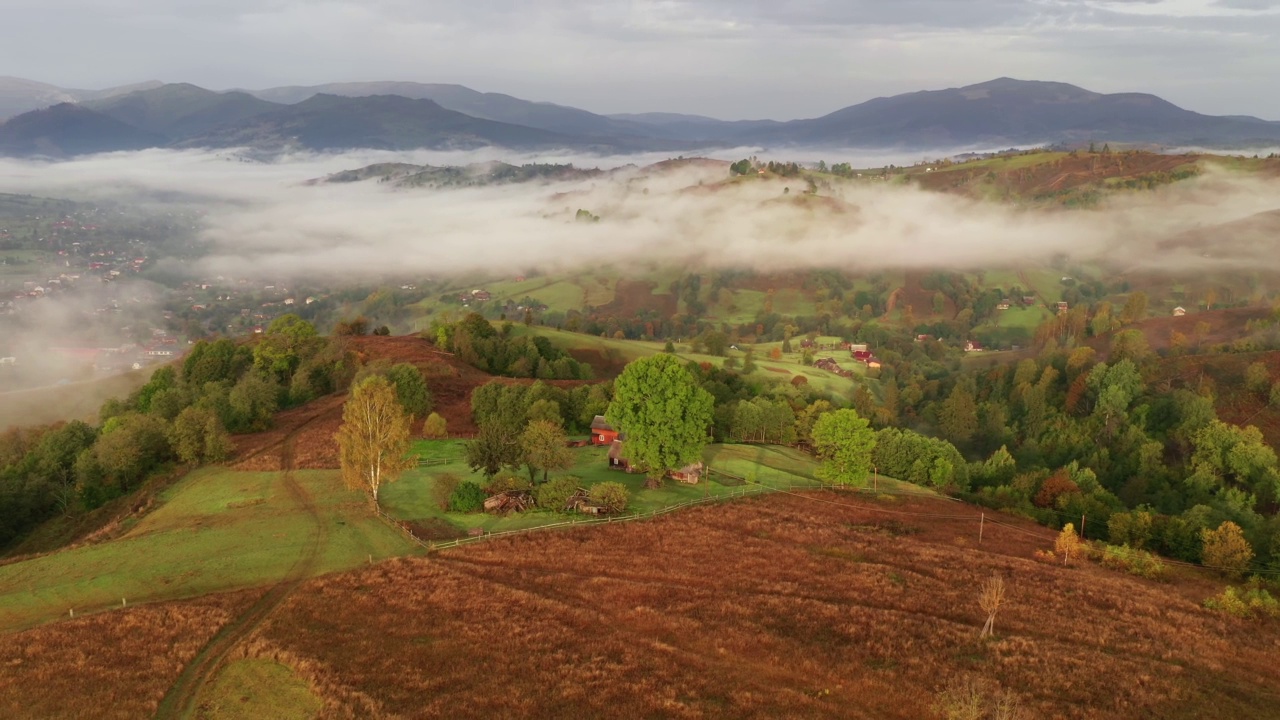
(726, 58)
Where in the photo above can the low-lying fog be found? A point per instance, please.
(263, 219)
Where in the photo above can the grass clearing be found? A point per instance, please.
(214, 530)
(411, 498)
(252, 688)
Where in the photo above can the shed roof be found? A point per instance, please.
(599, 423)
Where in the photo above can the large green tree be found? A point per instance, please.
(663, 412)
(844, 441)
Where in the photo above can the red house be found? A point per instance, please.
(602, 433)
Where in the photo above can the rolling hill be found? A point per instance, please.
(67, 129)
(18, 96)
(388, 122)
(1007, 111)
(180, 110)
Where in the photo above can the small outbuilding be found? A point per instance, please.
(691, 474)
(1179, 311)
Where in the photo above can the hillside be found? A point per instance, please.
(66, 129)
(485, 105)
(19, 96)
(492, 173)
(1007, 111)
(180, 110)
(388, 122)
(816, 605)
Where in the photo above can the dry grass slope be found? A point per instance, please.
(110, 665)
(773, 607)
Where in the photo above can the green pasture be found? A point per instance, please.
(411, 497)
(214, 530)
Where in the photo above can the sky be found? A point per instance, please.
(731, 59)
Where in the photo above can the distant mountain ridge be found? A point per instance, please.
(405, 115)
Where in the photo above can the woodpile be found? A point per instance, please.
(509, 502)
(582, 503)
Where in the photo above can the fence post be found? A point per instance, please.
(982, 521)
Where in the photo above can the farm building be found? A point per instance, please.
(1062, 308)
(618, 461)
(1179, 311)
(690, 474)
(602, 433)
(1003, 306)
(972, 346)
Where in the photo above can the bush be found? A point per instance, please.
(1135, 562)
(1245, 602)
(1227, 550)
(443, 489)
(509, 482)
(468, 497)
(613, 496)
(554, 494)
(435, 427)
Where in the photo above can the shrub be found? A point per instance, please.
(554, 494)
(435, 427)
(1134, 562)
(1245, 602)
(468, 497)
(442, 490)
(509, 482)
(1227, 550)
(613, 496)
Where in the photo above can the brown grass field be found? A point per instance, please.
(824, 605)
(109, 665)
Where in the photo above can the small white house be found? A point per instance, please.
(1179, 311)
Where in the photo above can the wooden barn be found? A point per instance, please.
(602, 433)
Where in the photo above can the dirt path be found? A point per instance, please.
(180, 701)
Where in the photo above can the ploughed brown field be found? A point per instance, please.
(823, 605)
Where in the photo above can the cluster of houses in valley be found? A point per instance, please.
(602, 433)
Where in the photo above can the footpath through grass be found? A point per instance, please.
(215, 530)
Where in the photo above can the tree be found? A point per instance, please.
(253, 402)
(197, 436)
(1135, 308)
(958, 415)
(612, 496)
(664, 413)
(1227, 550)
(1257, 379)
(282, 345)
(669, 348)
(373, 440)
(435, 427)
(442, 489)
(1068, 543)
(493, 449)
(544, 446)
(844, 441)
(990, 599)
(411, 389)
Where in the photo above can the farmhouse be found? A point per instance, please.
(1062, 308)
(972, 346)
(602, 433)
(1003, 306)
(1179, 311)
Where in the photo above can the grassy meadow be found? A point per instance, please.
(214, 530)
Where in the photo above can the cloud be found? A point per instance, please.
(264, 222)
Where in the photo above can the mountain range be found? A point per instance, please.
(56, 122)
